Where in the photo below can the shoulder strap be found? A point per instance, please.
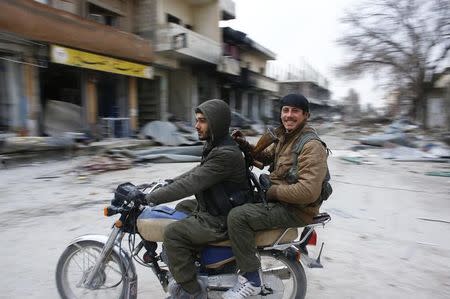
(292, 175)
(298, 147)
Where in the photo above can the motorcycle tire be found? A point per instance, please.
(287, 270)
(74, 265)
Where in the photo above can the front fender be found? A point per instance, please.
(124, 256)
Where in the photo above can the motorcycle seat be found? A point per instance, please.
(267, 237)
(153, 230)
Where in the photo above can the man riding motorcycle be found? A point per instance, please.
(294, 196)
(220, 176)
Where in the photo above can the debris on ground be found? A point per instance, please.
(402, 125)
(433, 220)
(438, 173)
(354, 157)
(35, 144)
(354, 160)
(398, 132)
(61, 117)
(167, 133)
(437, 150)
(46, 177)
(119, 159)
(168, 158)
(104, 163)
(428, 153)
(169, 154)
(399, 153)
(382, 139)
(400, 141)
(164, 154)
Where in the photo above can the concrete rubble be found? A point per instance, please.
(15, 144)
(177, 142)
(119, 159)
(99, 164)
(61, 117)
(167, 133)
(400, 141)
(169, 154)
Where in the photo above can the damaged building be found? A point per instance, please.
(106, 68)
(245, 83)
(302, 78)
(80, 53)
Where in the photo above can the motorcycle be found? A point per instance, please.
(99, 266)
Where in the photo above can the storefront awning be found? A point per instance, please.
(97, 62)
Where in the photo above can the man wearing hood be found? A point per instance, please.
(294, 196)
(220, 175)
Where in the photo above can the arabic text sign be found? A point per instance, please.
(97, 62)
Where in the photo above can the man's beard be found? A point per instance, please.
(202, 137)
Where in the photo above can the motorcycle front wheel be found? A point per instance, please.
(75, 264)
(284, 277)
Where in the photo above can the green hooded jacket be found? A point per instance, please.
(221, 172)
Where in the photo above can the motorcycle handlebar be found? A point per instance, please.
(112, 210)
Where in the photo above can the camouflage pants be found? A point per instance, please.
(245, 220)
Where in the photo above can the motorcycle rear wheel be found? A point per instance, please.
(74, 265)
(285, 276)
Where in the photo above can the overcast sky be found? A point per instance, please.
(296, 29)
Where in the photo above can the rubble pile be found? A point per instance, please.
(167, 133)
(106, 162)
(399, 141)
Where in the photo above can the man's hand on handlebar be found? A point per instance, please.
(138, 197)
(147, 198)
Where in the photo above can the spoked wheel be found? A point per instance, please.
(74, 266)
(283, 277)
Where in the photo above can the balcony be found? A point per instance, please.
(187, 44)
(263, 82)
(229, 65)
(228, 9)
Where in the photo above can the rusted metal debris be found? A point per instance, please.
(106, 162)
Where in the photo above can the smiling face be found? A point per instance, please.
(293, 117)
(201, 125)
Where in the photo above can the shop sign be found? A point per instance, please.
(97, 62)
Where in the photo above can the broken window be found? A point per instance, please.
(102, 16)
(172, 19)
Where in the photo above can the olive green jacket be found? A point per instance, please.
(222, 164)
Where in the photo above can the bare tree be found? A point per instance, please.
(401, 42)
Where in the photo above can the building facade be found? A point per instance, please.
(438, 102)
(302, 78)
(244, 80)
(187, 41)
(108, 67)
(82, 54)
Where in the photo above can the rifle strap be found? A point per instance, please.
(292, 175)
(297, 149)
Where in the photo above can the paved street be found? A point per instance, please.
(388, 237)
